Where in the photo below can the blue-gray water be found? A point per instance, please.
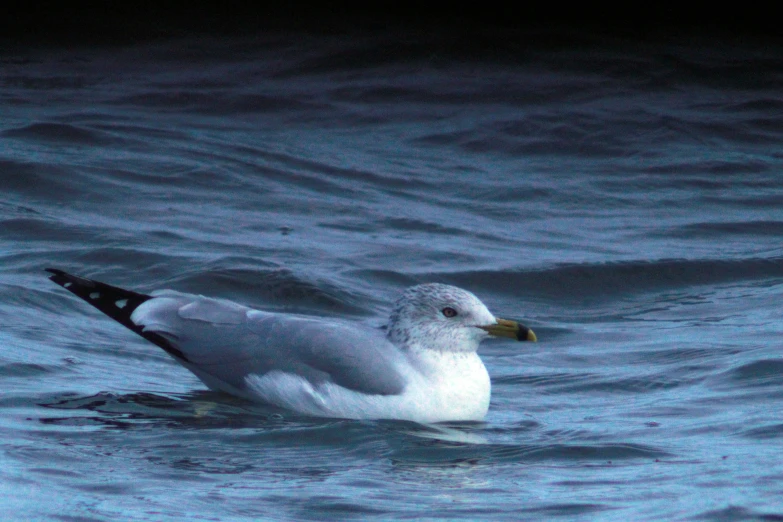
(625, 201)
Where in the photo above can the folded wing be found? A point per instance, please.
(224, 343)
(231, 342)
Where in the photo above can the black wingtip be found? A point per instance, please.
(55, 271)
(63, 279)
(113, 301)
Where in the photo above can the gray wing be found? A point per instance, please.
(229, 342)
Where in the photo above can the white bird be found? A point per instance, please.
(423, 368)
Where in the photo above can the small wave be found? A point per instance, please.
(218, 103)
(38, 180)
(596, 280)
(771, 431)
(712, 229)
(273, 287)
(62, 133)
(25, 370)
(738, 513)
(766, 372)
(720, 172)
(561, 383)
(42, 229)
(438, 453)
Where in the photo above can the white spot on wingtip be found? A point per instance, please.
(121, 303)
(95, 295)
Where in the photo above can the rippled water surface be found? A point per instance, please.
(626, 201)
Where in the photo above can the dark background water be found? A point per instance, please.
(616, 183)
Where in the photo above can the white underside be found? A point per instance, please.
(459, 394)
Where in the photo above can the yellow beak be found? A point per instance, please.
(512, 329)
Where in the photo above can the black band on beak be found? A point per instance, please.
(523, 333)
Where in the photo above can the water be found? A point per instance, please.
(623, 198)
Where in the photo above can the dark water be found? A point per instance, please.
(626, 201)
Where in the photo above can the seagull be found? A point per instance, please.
(423, 367)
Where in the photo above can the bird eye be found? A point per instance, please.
(449, 312)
